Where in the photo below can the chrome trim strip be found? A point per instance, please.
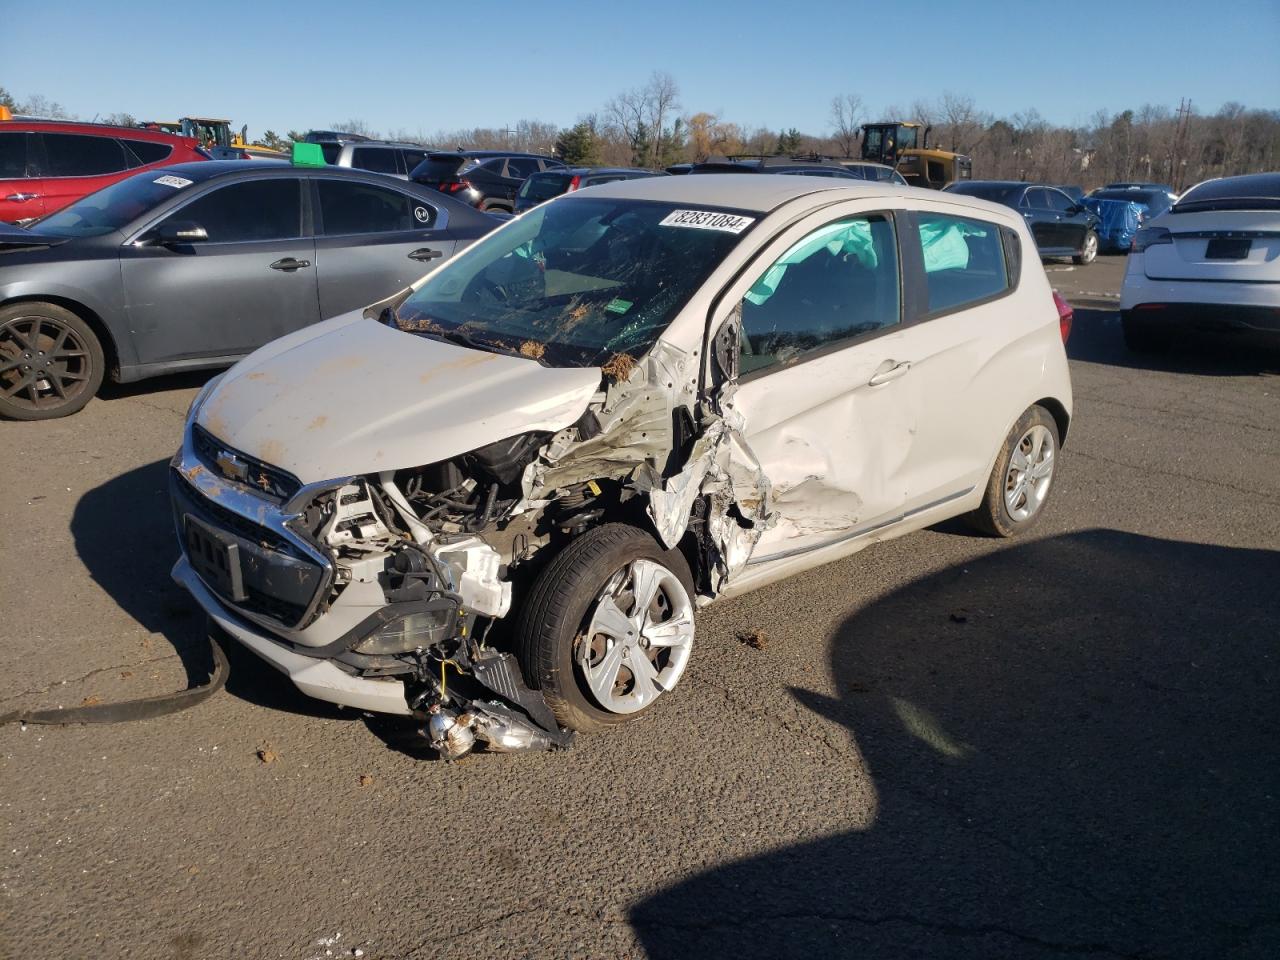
(246, 502)
(861, 531)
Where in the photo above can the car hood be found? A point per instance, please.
(19, 238)
(352, 396)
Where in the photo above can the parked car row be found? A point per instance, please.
(1062, 226)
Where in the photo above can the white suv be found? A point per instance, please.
(495, 500)
(1212, 262)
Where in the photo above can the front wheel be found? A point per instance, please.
(1020, 481)
(1088, 251)
(51, 363)
(608, 627)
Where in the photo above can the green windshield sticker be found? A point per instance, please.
(618, 305)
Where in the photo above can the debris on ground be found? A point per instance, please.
(366, 780)
(960, 616)
(267, 754)
(533, 349)
(755, 639)
(91, 701)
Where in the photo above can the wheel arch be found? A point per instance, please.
(1061, 418)
(109, 349)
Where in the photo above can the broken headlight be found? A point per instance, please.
(428, 624)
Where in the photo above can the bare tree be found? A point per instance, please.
(846, 121)
(356, 126)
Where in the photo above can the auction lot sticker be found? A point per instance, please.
(707, 220)
(169, 180)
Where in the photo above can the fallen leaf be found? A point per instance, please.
(366, 780)
(126, 674)
(266, 754)
(90, 701)
(755, 639)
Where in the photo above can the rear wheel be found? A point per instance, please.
(51, 363)
(1088, 250)
(608, 627)
(1020, 481)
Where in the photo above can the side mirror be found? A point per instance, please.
(173, 232)
(1074, 209)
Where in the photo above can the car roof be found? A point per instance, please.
(762, 193)
(33, 124)
(488, 153)
(591, 171)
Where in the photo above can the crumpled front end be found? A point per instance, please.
(391, 591)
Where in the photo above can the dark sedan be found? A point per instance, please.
(196, 265)
(1062, 227)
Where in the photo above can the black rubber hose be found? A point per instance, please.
(143, 709)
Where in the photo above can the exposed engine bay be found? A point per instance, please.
(444, 544)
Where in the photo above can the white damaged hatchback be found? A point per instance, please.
(495, 501)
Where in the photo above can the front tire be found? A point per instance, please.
(51, 363)
(608, 627)
(1088, 251)
(1021, 479)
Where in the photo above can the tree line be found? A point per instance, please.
(646, 126)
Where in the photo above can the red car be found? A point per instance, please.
(47, 164)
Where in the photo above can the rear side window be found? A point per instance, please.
(964, 260)
(839, 282)
(76, 155)
(13, 155)
(350, 207)
(376, 159)
(145, 151)
(254, 210)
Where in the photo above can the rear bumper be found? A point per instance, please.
(317, 678)
(1139, 289)
(1208, 317)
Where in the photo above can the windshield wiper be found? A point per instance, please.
(466, 340)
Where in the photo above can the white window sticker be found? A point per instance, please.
(707, 220)
(171, 181)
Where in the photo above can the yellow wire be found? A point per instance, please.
(443, 685)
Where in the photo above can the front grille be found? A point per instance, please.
(279, 581)
(230, 464)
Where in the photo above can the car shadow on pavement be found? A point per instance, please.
(124, 534)
(1073, 746)
(189, 380)
(1096, 338)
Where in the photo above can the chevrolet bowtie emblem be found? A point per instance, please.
(232, 466)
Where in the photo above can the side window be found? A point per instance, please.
(375, 159)
(520, 168)
(248, 211)
(13, 155)
(837, 283)
(74, 155)
(1058, 200)
(147, 151)
(1038, 198)
(348, 207)
(963, 260)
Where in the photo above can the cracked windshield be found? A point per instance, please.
(577, 283)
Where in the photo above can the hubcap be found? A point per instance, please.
(1090, 247)
(1026, 483)
(43, 363)
(637, 642)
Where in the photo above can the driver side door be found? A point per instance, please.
(829, 409)
(251, 281)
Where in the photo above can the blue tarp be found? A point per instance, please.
(1118, 221)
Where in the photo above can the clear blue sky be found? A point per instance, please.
(431, 66)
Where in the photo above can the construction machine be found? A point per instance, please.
(215, 136)
(904, 146)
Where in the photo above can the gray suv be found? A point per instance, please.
(393, 159)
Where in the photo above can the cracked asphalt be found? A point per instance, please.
(945, 746)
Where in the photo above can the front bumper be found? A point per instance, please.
(317, 678)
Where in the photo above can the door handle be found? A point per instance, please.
(426, 253)
(289, 264)
(22, 197)
(893, 373)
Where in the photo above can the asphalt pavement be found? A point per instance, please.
(944, 746)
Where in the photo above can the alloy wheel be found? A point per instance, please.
(1030, 473)
(44, 363)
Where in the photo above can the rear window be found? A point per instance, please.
(438, 166)
(1259, 191)
(76, 155)
(147, 151)
(995, 192)
(544, 186)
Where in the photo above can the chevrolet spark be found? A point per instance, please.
(496, 500)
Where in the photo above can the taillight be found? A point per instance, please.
(574, 184)
(1149, 237)
(1065, 315)
(455, 186)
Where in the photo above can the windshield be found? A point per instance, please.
(113, 207)
(575, 283)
